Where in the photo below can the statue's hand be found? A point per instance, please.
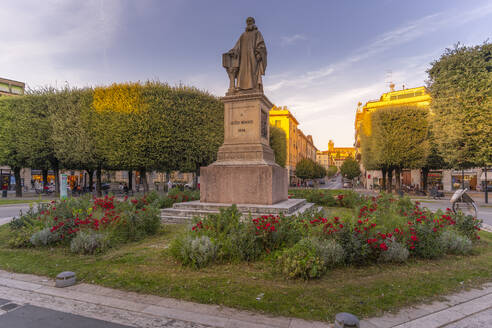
(257, 56)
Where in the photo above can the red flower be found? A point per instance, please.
(383, 246)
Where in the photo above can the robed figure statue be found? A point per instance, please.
(247, 61)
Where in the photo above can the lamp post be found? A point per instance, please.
(486, 187)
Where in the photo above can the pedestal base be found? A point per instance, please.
(243, 184)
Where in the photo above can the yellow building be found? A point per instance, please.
(419, 97)
(11, 87)
(299, 145)
(334, 156)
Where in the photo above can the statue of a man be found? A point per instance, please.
(247, 61)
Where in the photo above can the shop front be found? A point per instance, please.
(469, 178)
(434, 180)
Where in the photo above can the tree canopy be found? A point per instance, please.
(308, 169)
(278, 142)
(350, 168)
(129, 126)
(460, 83)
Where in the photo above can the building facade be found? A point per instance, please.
(447, 180)
(299, 145)
(334, 156)
(11, 87)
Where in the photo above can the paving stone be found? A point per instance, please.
(186, 316)
(3, 301)
(299, 323)
(479, 320)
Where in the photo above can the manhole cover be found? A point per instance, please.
(9, 306)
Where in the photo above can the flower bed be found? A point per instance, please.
(326, 197)
(87, 225)
(382, 229)
(175, 195)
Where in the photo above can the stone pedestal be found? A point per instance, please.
(245, 171)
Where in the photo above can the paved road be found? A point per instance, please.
(13, 315)
(7, 212)
(333, 183)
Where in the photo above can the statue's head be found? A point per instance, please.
(250, 24)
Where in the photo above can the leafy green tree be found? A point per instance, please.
(278, 142)
(25, 136)
(74, 134)
(350, 168)
(309, 169)
(400, 139)
(460, 83)
(332, 170)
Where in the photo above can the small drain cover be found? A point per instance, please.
(9, 306)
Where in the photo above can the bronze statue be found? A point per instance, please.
(247, 61)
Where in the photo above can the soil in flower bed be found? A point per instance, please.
(147, 267)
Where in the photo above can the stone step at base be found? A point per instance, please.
(184, 214)
(288, 206)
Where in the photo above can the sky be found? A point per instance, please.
(324, 56)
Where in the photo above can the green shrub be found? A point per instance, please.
(427, 245)
(89, 242)
(396, 252)
(331, 253)
(467, 225)
(21, 237)
(197, 251)
(454, 243)
(44, 237)
(303, 260)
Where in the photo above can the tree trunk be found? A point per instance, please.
(143, 178)
(425, 173)
(91, 180)
(389, 187)
(56, 170)
(130, 180)
(384, 174)
(18, 185)
(98, 181)
(397, 176)
(45, 179)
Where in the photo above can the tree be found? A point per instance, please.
(332, 170)
(278, 142)
(460, 83)
(308, 169)
(157, 127)
(74, 135)
(25, 135)
(350, 168)
(400, 139)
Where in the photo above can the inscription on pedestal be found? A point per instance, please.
(243, 122)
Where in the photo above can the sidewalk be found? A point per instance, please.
(467, 309)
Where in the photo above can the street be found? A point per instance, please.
(7, 212)
(333, 183)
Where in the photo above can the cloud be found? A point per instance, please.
(292, 39)
(44, 41)
(325, 100)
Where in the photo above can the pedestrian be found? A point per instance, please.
(169, 185)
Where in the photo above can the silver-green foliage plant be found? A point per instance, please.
(194, 251)
(89, 242)
(44, 237)
(331, 253)
(396, 252)
(454, 243)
